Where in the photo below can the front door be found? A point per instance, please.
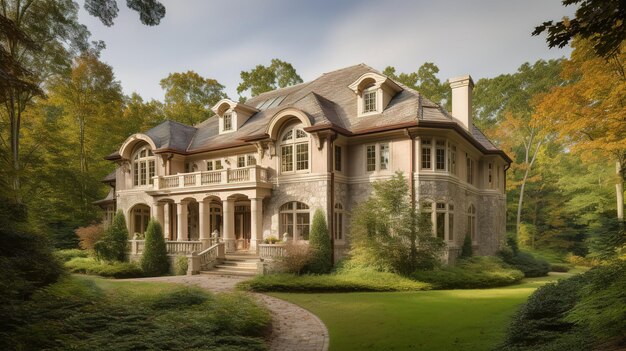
(242, 227)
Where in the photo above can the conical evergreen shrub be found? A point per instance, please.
(319, 243)
(114, 243)
(467, 250)
(154, 261)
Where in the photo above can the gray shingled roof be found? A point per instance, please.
(327, 100)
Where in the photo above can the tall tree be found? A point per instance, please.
(141, 115)
(150, 11)
(260, 79)
(189, 96)
(504, 106)
(602, 22)
(425, 81)
(588, 112)
(53, 27)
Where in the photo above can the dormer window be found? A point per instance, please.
(228, 121)
(374, 92)
(369, 100)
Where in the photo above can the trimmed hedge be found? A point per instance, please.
(68, 254)
(525, 262)
(472, 273)
(342, 281)
(105, 269)
(154, 261)
(561, 268)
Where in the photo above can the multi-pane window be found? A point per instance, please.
(294, 150)
(141, 216)
(338, 222)
(214, 165)
(384, 156)
(337, 158)
(452, 159)
(218, 165)
(251, 160)
(209, 165)
(440, 220)
(426, 154)
(245, 160)
(294, 220)
(470, 169)
(143, 166)
(440, 155)
(490, 175)
(241, 161)
(450, 222)
(370, 155)
(228, 121)
(471, 222)
(372, 162)
(369, 101)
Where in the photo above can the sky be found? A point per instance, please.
(219, 39)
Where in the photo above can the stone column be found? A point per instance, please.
(182, 230)
(229, 225)
(166, 220)
(203, 223)
(256, 222)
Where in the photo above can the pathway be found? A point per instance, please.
(293, 327)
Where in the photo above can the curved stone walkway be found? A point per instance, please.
(293, 327)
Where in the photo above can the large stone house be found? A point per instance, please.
(261, 168)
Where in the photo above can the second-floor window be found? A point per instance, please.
(214, 165)
(294, 150)
(440, 155)
(338, 158)
(228, 121)
(245, 160)
(426, 154)
(372, 162)
(143, 166)
(470, 169)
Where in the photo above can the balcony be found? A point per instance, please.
(251, 174)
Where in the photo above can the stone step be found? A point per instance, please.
(228, 272)
(235, 267)
(239, 264)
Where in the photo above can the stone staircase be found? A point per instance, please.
(242, 265)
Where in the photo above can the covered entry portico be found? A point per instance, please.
(235, 217)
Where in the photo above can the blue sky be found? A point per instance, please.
(219, 39)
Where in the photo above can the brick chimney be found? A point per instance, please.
(462, 99)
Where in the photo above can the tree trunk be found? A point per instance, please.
(527, 149)
(619, 191)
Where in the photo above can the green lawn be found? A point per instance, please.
(424, 320)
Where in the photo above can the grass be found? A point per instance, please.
(82, 313)
(89, 265)
(342, 281)
(426, 320)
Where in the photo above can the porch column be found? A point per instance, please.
(160, 214)
(229, 225)
(182, 230)
(166, 220)
(256, 222)
(203, 223)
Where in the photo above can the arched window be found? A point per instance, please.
(294, 150)
(338, 223)
(471, 222)
(294, 220)
(143, 166)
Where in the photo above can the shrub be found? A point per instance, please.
(609, 239)
(110, 269)
(181, 265)
(180, 298)
(344, 280)
(89, 236)
(319, 244)
(582, 261)
(388, 235)
(297, 255)
(467, 250)
(113, 245)
(473, 273)
(562, 268)
(68, 254)
(154, 261)
(525, 262)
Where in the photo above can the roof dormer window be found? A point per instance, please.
(228, 121)
(369, 100)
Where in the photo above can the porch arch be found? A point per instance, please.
(138, 217)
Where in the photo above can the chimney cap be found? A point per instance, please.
(461, 81)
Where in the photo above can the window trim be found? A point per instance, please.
(338, 158)
(294, 211)
(143, 167)
(227, 116)
(298, 137)
(377, 157)
(471, 223)
(339, 222)
(370, 95)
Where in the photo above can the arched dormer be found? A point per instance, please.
(284, 117)
(232, 115)
(374, 91)
(130, 144)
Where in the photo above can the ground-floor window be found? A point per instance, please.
(295, 220)
(141, 216)
(338, 223)
(471, 222)
(442, 218)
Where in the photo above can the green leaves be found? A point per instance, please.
(260, 79)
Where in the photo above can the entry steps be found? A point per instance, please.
(237, 265)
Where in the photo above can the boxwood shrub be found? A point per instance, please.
(525, 262)
(472, 273)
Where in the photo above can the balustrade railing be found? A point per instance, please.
(173, 247)
(208, 258)
(272, 251)
(224, 176)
